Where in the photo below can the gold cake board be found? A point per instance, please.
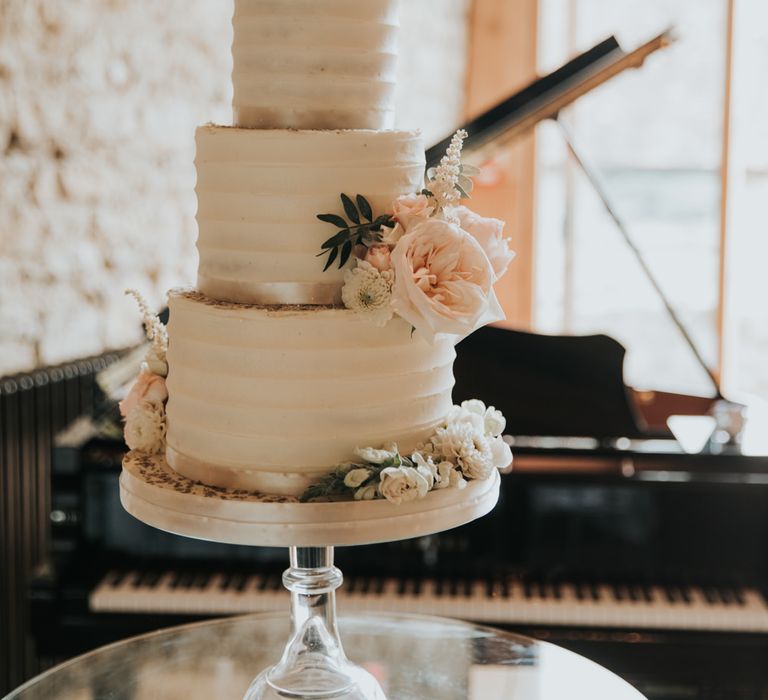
(154, 493)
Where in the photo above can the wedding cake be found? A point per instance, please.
(314, 359)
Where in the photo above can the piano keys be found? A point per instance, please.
(512, 600)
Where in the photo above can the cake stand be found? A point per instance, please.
(313, 664)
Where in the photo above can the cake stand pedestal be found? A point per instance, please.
(313, 665)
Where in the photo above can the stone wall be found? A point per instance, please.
(99, 100)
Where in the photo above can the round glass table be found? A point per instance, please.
(413, 657)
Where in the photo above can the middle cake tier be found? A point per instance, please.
(271, 398)
(259, 193)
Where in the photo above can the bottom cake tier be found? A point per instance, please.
(157, 495)
(255, 391)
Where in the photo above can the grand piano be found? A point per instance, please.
(608, 537)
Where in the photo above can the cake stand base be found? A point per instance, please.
(313, 665)
(154, 493)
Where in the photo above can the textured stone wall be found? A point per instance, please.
(99, 100)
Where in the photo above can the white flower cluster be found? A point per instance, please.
(369, 290)
(443, 180)
(467, 446)
(471, 439)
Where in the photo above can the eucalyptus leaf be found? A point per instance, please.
(462, 192)
(350, 209)
(331, 258)
(469, 170)
(346, 250)
(337, 240)
(364, 207)
(334, 219)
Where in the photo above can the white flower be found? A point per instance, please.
(474, 406)
(461, 442)
(425, 467)
(445, 177)
(494, 422)
(374, 456)
(368, 291)
(401, 484)
(502, 454)
(356, 477)
(448, 475)
(145, 427)
(367, 493)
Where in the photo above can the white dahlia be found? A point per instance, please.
(368, 291)
(462, 443)
(145, 427)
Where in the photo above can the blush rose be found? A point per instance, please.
(488, 233)
(443, 280)
(148, 387)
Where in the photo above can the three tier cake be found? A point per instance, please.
(314, 359)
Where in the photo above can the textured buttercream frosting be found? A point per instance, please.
(314, 64)
(269, 399)
(259, 193)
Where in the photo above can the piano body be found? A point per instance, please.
(607, 538)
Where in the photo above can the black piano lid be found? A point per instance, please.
(567, 386)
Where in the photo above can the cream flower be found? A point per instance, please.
(502, 453)
(367, 493)
(460, 442)
(378, 256)
(410, 209)
(145, 427)
(443, 280)
(494, 422)
(368, 291)
(374, 456)
(147, 387)
(401, 484)
(488, 233)
(355, 477)
(449, 476)
(427, 468)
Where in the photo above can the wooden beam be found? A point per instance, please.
(502, 59)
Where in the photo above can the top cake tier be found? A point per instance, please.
(314, 64)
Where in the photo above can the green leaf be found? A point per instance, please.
(427, 193)
(350, 209)
(462, 192)
(331, 258)
(346, 250)
(333, 219)
(338, 239)
(469, 170)
(364, 207)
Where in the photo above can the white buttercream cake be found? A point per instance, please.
(315, 359)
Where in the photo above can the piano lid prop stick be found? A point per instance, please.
(597, 186)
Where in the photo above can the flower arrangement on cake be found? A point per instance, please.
(430, 260)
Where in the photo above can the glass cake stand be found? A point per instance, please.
(313, 664)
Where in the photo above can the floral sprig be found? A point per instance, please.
(156, 333)
(449, 181)
(143, 408)
(361, 229)
(467, 446)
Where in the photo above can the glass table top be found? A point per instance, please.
(413, 657)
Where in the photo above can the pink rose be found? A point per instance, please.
(488, 233)
(379, 257)
(410, 209)
(148, 387)
(443, 280)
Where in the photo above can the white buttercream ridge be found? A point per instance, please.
(319, 64)
(259, 193)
